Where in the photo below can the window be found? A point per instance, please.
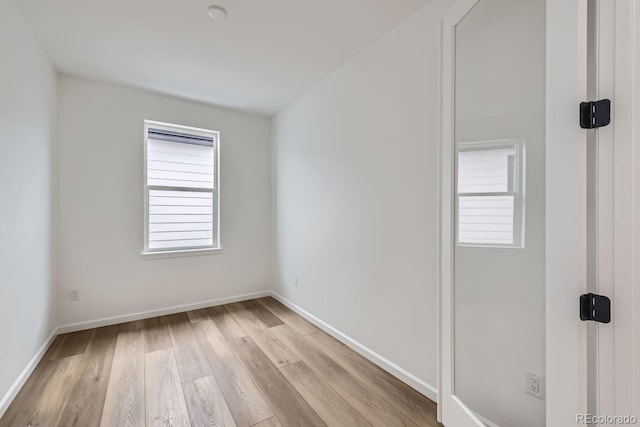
(181, 188)
(490, 196)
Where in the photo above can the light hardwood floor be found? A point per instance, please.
(253, 363)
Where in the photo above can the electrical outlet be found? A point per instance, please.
(535, 385)
(73, 295)
(296, 282)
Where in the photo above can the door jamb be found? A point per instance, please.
(565, 211)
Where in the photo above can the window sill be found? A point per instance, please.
(180, 253)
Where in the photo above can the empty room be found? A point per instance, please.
(299, 213)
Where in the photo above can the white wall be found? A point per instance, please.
(355, 199)
(100, 215)
(355, 193)
(27, 130)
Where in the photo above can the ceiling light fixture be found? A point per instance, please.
(217, 12)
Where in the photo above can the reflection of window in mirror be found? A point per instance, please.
(490, 193)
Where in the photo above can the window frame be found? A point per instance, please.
(193, 250)
(518, 193)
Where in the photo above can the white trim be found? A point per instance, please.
(106, 321)
(565, 253)
(439, 222)
(635, 226)
(403, 375)
(451, 410)
(625, 361)
(190, 129)
(487, 422)
(184, 252)
(26, 372)
(616, 73)
(603, 209)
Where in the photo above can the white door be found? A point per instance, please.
(613, 359)
(536, 211)
(514, 213)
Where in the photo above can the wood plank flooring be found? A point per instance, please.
(249, 364)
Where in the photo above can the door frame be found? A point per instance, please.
(450, 409)
(566, 252)
(565, 215)
(634, 93)
(618, 368)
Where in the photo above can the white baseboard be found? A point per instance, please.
(408, 378)
(24, 375)
(486, 421)
(107, 321)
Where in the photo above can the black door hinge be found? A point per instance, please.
(595, 307)
(595, 114)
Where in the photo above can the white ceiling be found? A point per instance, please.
(263, 56)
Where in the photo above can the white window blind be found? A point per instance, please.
(176, 164)
(485, 220)
(490, 200)
(486, 171)
(181, 188)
